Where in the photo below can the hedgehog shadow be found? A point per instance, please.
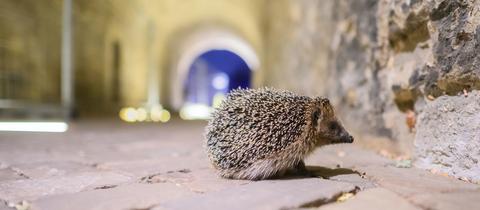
(319, 172)
(326, 173)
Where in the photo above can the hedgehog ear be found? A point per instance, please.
(316, 115)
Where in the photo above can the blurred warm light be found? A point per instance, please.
(195, 112)
(128, 114)
(156, 113)
(165, 116)
(143, 114)
(217, 99)
(34, 126)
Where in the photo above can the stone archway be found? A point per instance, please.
(201, 43)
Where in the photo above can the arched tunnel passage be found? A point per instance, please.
(210, 77)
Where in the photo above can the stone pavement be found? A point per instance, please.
(111, 165)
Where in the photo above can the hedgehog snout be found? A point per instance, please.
(347, 138)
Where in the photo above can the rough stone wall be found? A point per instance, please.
(30, 50)
(387, 61)
(97, 29)
(298, 36)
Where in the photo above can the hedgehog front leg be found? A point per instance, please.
(300, 166)
(300, 169)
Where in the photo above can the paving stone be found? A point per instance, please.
(372, 199)
(3, 165)
(270, 194)
(33, 188)
(461, 200)
(8, 174)
(40, 170)
(129, 196)
(140, 168)
(410, 181)
(3, 206)
(345, 156)
(206, 180)
(199, 180)
(102, 166)
(355, 179)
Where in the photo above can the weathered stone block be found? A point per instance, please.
(270, 194)
(376, 198)
(448, 136)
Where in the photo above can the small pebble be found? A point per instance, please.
(344, 197)
(185, 170)
(406, 163)
(23, 205)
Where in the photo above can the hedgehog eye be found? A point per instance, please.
(333, 126)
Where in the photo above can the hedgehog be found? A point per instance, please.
(264, 133)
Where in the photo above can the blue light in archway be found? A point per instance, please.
(215, 72)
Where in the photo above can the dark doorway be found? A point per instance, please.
(215, 73)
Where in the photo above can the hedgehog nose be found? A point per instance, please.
(348, 139)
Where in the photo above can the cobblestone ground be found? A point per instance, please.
(109, 165)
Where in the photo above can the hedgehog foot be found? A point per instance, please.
(300, 170)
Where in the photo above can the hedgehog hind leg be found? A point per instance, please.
(262, 169)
